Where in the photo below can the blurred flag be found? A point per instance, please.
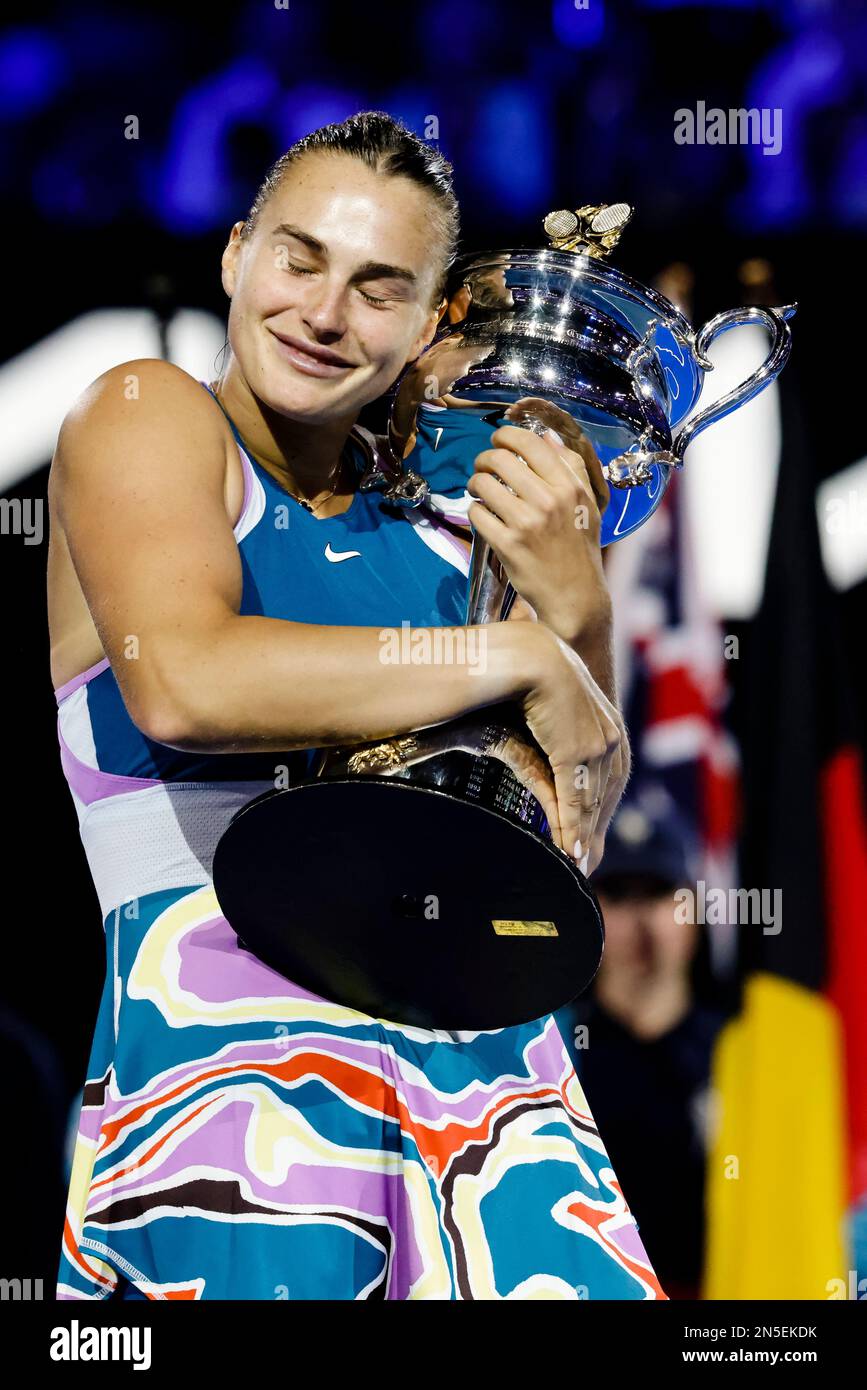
(671, 660)
(790, 1071)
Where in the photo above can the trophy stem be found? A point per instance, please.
(490, 595)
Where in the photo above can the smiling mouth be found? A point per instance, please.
(310, 359)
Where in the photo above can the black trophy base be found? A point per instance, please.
(408, 903)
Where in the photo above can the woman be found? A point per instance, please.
(217, 590)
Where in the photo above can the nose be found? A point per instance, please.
(324, 310)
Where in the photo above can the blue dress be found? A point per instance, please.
(241, 1138)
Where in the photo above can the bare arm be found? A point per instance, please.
(592, 639)
(138, 486)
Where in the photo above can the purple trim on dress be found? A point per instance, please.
(457, 517)
(61, 691)
(90, 785)
(461, 558)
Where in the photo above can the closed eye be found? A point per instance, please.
(379, 301)
(372, 298)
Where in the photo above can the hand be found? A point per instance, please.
(584, 739)
(539, 502)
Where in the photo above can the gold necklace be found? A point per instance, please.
(302, 501)
(314, 506)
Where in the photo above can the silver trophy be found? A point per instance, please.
(563, 325)
(557, 325)
(443, 813)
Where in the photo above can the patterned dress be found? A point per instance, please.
(241, 1138)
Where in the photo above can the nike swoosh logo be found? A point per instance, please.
(336, 555)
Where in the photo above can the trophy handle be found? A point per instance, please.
(775, 320)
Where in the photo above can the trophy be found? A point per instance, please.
(421, 883)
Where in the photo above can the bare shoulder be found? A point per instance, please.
(145, 396)
(139, 512)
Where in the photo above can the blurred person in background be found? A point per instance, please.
(642, 1036)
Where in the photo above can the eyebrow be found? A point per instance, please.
(370, 270)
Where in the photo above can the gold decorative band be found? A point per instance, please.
(385, 756)
(507, 927)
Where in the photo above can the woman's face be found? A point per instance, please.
(331, 294)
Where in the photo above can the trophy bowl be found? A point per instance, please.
(451, 907)
(566, 326)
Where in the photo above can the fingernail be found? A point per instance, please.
(583, 866)
(553, 436)
(577, 852)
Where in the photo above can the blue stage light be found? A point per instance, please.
(308, 106)
(32, 70)
(799, 79)
(580, 25)
(195, 192)
(512, 149)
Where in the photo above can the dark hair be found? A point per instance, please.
(388, 147)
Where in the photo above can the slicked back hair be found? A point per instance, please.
(388, 147)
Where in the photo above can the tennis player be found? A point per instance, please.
(218, 586)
